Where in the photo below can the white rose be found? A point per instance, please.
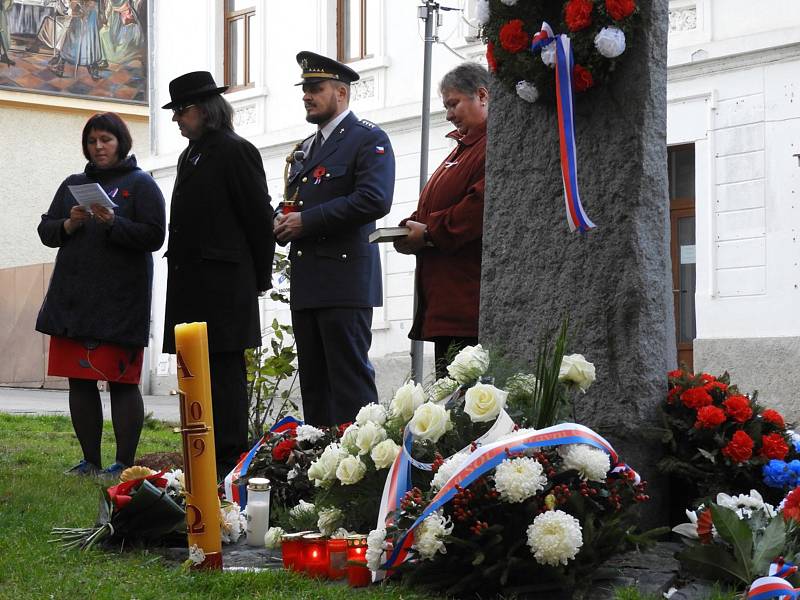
(482, 11)
(576, 369)
(384, 453)
(527, 91)
(483, 402)
(351, 470)
(610, 42)
(324, 468)
(549, 55)
(371, 412)
(430, 422)
(348, 440)
(368, 436)
(469, 364)
(329, 520)
(273, 537)
(406, 400)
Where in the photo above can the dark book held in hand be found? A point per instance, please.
(388, 234)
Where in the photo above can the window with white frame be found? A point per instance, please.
(355, 37)
(239, 23)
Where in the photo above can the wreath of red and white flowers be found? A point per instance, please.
(599, 31)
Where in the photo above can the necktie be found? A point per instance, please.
(315, 145)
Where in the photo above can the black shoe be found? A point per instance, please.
(93, 72)
(7, 60)
(84, 468)
(58, 67)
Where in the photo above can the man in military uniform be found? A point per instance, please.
(340, 181)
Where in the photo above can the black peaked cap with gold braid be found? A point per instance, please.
(321, 68)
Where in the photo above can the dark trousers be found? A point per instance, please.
(336, 377)
(445, 349)
(231, 408)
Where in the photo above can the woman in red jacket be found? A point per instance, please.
(447, 227)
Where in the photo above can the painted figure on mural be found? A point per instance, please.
(123, 37)
(5, 34)
(81, 45)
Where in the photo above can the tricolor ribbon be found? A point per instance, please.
(565, 62)
(485, 458)
(774, 586)
(238, 493)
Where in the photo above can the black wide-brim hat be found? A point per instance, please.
(192, 86)
(321, 68)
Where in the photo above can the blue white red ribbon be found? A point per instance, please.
(485, 458)
(774, 586)
(238, 493)
(565, 62)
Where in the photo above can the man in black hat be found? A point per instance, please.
(220, 249)
(340, 181)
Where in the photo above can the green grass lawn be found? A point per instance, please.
(35, 496)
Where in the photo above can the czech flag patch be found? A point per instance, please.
(379, 150)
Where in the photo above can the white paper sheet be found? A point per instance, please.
(91, 193)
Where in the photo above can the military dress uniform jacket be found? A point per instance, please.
(221, 245)
(341, 191)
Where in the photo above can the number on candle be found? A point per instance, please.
(197, 525)
(199, 445)
(195, 410)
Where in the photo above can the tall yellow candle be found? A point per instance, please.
(199, 462)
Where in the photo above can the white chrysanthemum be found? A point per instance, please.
(469, 364)
(174, 480)
(351, 470)
(196, 554)
(374, 413)
(302, 509)
(308, 433)
(376, 544)
(549, 55)
(527, 91)
(233, 523)
(384, 454)
(324, 468)
(555, 538)
(746, 504)
(407, 399)
(442, 389)
(592, 464)
(518, 479)
(369, 435)
(447, 469)
(610, 42)
(273, 537)
(482, 11)
(428, 536)
(329, 520)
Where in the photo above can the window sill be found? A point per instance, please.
(370, 64)
(246, 94)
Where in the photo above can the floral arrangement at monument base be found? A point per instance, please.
(717, 438)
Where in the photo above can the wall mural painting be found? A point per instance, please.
(88, 48)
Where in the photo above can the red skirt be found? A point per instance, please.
(90, 359)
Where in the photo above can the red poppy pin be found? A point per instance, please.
(125, 193)
(318, 174)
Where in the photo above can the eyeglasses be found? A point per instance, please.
(179, 110)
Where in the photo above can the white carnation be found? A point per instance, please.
(351, 470)
(441, 389)
(384, 453)
(469, 364)
(174, 480)
(430, 422)
(302, 509)
(329, 520)
(527, 91)
(518, 479)
(308, 433)
(483, 402)
(233, 523)
(273, 537)
(555, 538)
(376, 544)
(549, 55)
(575, 369)
(324, 468)
(482, 11)
(592, 464)
(428, 536)
(406, 400)
(348, 440)
(368, 436)
(447, 469)
(610, 42)
(374, 413)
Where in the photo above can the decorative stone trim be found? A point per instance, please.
(683, 19)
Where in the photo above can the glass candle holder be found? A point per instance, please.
(290, 551)
(358, 575)
(315, 555)
(337, 558)
(257, 511)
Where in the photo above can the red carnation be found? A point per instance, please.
(674, 393)
(343, 427)
(283, 449)
(791, 507)
(513, 38)
(677, 373)
(740, 448)
(706, 378)
(774, 446)
(582, 78)
(619, 9)
(490, 59)
(578, 14)
(774, 417)
(696, 398)
(709, 417)
(738, 408)
(715, 385)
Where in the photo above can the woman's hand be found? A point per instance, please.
(78, 215)
(414, 241)
(102, 214)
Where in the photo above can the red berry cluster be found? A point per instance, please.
(542, 459)
(641, 489)
(461, 502)
(561, 492)
(412, 499)
(586, 490)
(479, 527)
(438, 461)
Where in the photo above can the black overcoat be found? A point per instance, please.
(220, 246)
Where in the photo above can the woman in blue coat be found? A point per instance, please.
(97, 307)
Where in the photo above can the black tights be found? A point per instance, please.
(127, 416)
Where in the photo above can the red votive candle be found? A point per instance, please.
(290, 551)
(337, 558)
(315, 555)
(358, 575)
